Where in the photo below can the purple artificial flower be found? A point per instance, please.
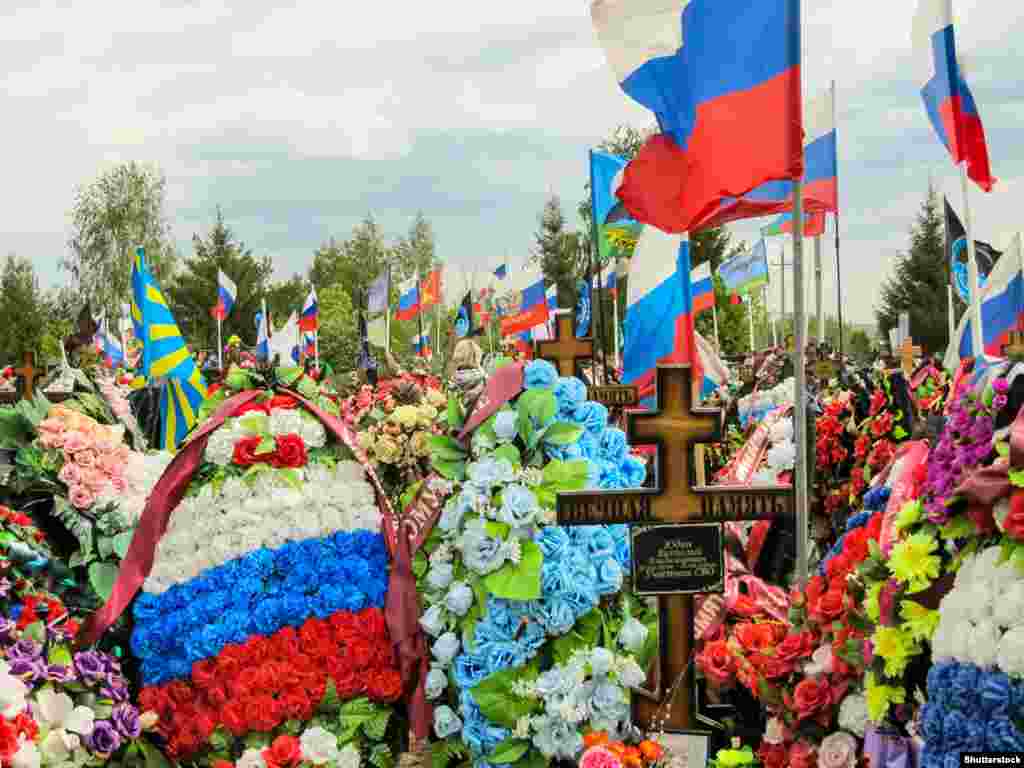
(58, 673)
(24, 650)
(29, 669)
(7, 630)
(1002, 386)
(104, 738)
(5, 587)
(89, 665)
(116, 691)
(999, 402)
(126, 719)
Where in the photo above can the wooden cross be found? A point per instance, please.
(565, 350)
(28, 374)
(907, 353)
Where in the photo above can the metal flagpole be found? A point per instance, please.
(951, 312)
(799, 396)
(977, 338)
(839, 272)
(714, 318)
(615, 318)
(750, 317)
(220, 345)
(387, 310)
(768, 317)
(819, 319)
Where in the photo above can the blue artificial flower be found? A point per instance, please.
(588, 447)
(939, 679)
(505, 425)
(481, 552)
(539, 374)
(593, 474)
(445, 648)
(553, 542)
(620, 533)
(1002, 736)
(570, 393)
(634, 472)
(593, 417)
(609, 577)
(955, 733)
(436, 682)
(469, 670)
(440, 575)
(569, 452)
(146, 608)
(446, 722)
(489, 472)
(611, 475)
(519, 506)
(996, 693)
(614, 446)
(876, 498)
(555, 614)
(964, 689)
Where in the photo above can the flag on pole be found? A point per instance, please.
(747, 271)
(525, 308)
(956, 253)
(703, 288)
(614, 228)
(165, 355)
(310, 319)
(706, 97)
(408, 300)
(814, 225)
(227, 292)
(309, 345)
(947, 98)
(263, 334)
(377, 295)
(611, 283)
(421, 344)
(430, 289)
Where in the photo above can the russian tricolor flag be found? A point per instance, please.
(947, 98)
(408, 300)
(703, 288)
(227, 292)
(421, 344)
(532, 311)
(1002, 310)
(263, 334)
(309, 345)
(659, 314)
(737, 68)
(112, 351)
(309, 320)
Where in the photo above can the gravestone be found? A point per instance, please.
(565, 351)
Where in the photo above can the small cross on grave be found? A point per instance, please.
(28, 374)
(565, 350)
(677, 541)
(1014, 350)
(907, 353)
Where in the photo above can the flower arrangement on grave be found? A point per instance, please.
(600, 752)
(394, 421)
(534, 645)
(260, 629)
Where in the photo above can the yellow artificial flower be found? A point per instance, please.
(387, 450)
(881, 697)
(894, 647)
(436, 398)
(912, 562)
(871, 601)
(732, 758)
(909, 514)
(407, 416)
(919, 622)
(427, 415)
(420, 444)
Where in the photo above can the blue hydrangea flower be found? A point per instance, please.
(539, 374)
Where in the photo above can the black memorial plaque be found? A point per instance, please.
(678, 559)
(623, 395)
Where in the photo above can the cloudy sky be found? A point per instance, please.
(300, 118)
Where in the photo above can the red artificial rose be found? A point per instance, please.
(795, 647)
(770, 755)
(385, 685)
(222, 764)
(316, 688)
(346, 683)
(234, 719)
(217, 695)
(811, 696)
(746, 606)
(188, 740)
(245, 452)
(204, 673)
(802, 755)
(828, 607)
(344, 626)
(370, 623)
(290, 453)
(284, 752)
(855, 546)
(361, 652)
(259, 648)
(874, 526)
(296, 705)
(263, 713)
(754, 637)
(8, 741)
(838, 567)
(981, 516)
(1013, 524)
(304, 663)
(205, 724)
(250, 680)
(26, 726)
(877, 402)
(717, 661)
(251, 407)
(180, 692)
(71, 627)
(771, 667)
(284, 644)
(283, 401)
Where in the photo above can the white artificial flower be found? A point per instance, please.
(631, 675)
(781, 456)
(220, 448)
(251, 758)
(853, 714)
(960, 641)
(782, 431)
(775, 731)
(1009, 608)
(13, 693)
(978, 602)
(319, 746)
(347, 757)
(313, 433)
(59, 745)
(942, 641)
(57, 710)
(285, 421)
(27, 756)
(983, 644)
(1010, 656)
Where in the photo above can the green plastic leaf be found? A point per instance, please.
(452, 470)
(292, 477)
(267, 445)
(518, 582)
(456, 417)
(381, 756)
(510, 452)
(445, 448)
(154, 757)
(899, 432)
(377, 726)
(60, 655)
(533, 759)
(330, 702)
(355, 714)
(563, 433)
(539, 404)
(121, 543)
(102, 577)
(1017, 558)
(566, 475)
(105, 546)
(1003, 448)
(221, 740)
(254, 423)
(237, 379)
(508, 751)
(308, 388)
(420, 564)
(497, 702)
(1017, 477)
(288, 376)
(80, 558)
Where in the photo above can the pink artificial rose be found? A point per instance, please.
(86, 458)
(120, 408)
(105, 447)
(51, 439)
(119, 484)
(837, 750)
(74, 442)
(81, 497)
(821, 662)
(801, 755)
(94, 480)
(51, 426)
(111, 466)
(70, 474)
(599, 757)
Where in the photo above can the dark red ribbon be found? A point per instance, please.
(166, 495)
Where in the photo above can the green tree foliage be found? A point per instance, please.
(339, 337)
(193, 292)
(559, 252)
(918, 286)
(286, 297)
(353, 263)
(414, 254)
(120, 210)
(860, 345)
(23, 312)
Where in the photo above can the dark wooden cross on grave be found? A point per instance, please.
(1014, 350)
(674, 511)
(28, 374)
(565, 350)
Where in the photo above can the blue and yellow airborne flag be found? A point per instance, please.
(165, 356)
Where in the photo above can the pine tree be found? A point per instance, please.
(559, 252)
(918, 286)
